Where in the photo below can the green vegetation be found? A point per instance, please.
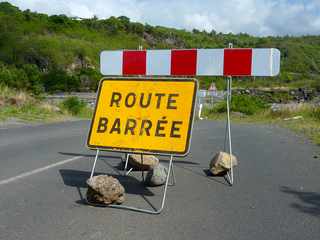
(41, 53)
(301, 118)
(20, 105)
(73, 105)
(241, 103)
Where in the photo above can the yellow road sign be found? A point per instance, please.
(144, 115)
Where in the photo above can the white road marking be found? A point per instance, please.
(38, 170)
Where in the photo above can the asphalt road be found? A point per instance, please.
(276, 194)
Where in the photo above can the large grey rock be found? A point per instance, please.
(144, 163)
(157, 176)
(105, 189)
(221, 163)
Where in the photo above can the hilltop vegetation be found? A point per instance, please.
(56, 53)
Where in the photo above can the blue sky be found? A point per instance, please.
(256, 17)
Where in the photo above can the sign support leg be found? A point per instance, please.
(126, 165)
(94, 163)
(126, 173)
(142, 172)
(173, 176)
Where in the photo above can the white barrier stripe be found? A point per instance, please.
(210, 62)
(158, 62)
(269, 67)
(275, 69)
(265, 62)
(111, 62)
(261, 62)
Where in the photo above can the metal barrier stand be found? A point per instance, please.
(228, 130)
(155, 211)
(228, 126)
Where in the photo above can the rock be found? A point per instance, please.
(221, 163)
(150, 39)
(146, 164)
(157, 176)
(105, 189)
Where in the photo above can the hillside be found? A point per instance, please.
(57, 53)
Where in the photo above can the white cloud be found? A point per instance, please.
(257, 17)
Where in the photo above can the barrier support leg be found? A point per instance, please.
(228, 130)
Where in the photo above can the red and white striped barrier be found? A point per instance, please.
(190, 62)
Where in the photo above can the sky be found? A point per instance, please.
(255, 17)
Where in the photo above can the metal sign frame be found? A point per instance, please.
(154, 211)
(170, 167)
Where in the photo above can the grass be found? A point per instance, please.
(242, 103)
(308, 125)
(20, 105)
(30, 113)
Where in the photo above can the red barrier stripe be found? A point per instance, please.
(134, 63)
(237, 62)
(184, 62)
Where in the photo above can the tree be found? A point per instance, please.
(7, 8)
(136, 28)
(34, 78)
(113, 25)
(58, 80)
(125, 21)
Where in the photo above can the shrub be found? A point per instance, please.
(59, 80)
(34, 76)
(13, 77)
(28, 78)
(73, 105)
(242, 103)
